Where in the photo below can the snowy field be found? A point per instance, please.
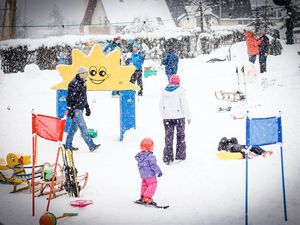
(201, 190)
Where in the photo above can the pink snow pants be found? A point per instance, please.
(148, 187)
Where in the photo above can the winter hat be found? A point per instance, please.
(136, 45)
(82, 69)
(147, 144)
(174, 79)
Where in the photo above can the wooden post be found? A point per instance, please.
(3, 20)
(12, 10)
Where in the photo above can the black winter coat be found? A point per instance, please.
(77, 97)
(264, 46)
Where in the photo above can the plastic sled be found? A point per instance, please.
(81, 203)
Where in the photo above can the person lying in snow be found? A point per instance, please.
(232, 145)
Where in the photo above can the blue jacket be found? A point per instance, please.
(147, 164)
(77, 97)
(170, 61)
(137, 59)
(112, 46)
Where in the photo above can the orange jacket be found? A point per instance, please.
(252, 43)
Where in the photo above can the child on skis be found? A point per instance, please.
(148, 170)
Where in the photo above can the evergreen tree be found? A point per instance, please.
(289, 20)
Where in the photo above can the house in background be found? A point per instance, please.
(43, 18)
(192, 18)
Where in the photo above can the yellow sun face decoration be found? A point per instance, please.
(105, 71)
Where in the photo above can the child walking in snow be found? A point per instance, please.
(148, 170)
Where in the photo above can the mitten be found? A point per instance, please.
(87, 111)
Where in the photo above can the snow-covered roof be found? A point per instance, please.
(127, 11)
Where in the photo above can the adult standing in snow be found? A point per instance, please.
(263, 52)
(170, 61)
(252, 46)
(148, 169)
(115, 44)
(77, 101)
(174, 110)
(137, 59)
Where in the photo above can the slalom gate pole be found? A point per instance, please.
(243, 71)
(238, 78)
(283, 184)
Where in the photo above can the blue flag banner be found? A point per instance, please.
(263, 131)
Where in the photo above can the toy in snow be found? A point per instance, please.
(81, 203)
(224, 109)
(12, 166)
(50, 219)
(93, 133)
(149, 71)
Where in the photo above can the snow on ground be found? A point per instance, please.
(200, 190)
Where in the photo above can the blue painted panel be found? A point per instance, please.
(127, 111)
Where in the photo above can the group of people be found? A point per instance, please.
(173, 107)
(258, 46)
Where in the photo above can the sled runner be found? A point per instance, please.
(230, 96)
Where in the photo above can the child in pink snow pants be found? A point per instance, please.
(148, 170)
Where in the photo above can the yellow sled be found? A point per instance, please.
(223, 155)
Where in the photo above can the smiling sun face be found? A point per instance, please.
(98, 76)
(105, 72)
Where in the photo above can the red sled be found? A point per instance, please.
(81, 203)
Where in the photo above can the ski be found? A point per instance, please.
(139, 202)
(71, 183)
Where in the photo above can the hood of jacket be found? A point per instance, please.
(249, 34)
(141, 156)
(172, 87)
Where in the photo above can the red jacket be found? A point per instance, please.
(252, 43)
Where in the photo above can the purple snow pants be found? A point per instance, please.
(170, 125)
(148, 187)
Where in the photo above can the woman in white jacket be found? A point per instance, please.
(174, 110)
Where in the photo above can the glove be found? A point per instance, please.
(70, 112)
(87, 111)
(159, 175)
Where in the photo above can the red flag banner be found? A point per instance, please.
(50, 128)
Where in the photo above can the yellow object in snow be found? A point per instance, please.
(7, 169)
(105, 71)
(224, 155)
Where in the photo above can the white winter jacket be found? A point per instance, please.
(173, 104)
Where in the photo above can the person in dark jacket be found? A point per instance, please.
(116, 43)
(77, 102)
(232, 145)
(170, 61)
(263, 52)
(148, 170)
(137, 59)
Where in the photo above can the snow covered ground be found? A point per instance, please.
(200, 190)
